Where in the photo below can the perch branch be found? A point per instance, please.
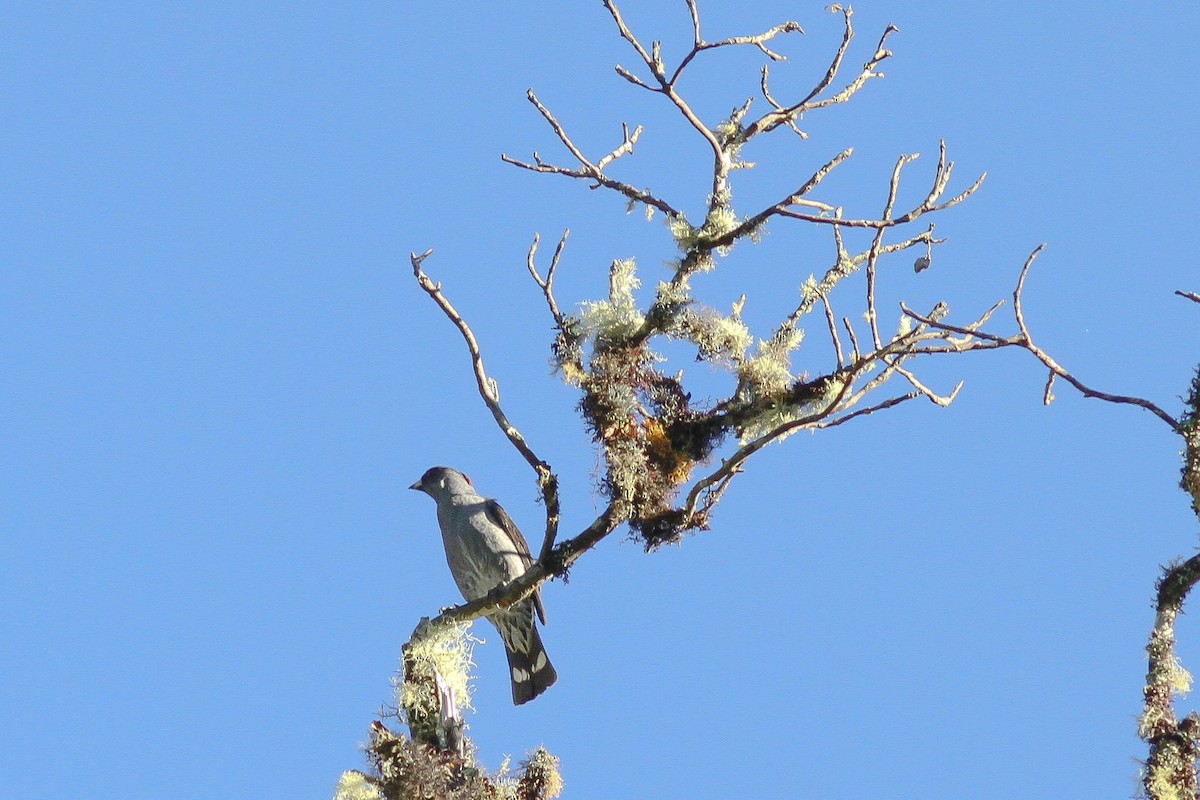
(563, 556)
(489, 391)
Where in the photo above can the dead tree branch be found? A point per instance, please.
(1025, 340)
(489, 391)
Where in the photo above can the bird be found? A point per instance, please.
(484, 549)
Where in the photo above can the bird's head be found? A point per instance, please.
(439, 481)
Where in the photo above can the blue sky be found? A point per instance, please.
(219, 376)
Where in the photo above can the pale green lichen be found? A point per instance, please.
(1151, 720)
(720, 221)
(542, 774)
(757, 231)
(1179, 679)
(1167, 678)
(1161, 785)
(353, 785)
(729, 336)
(627, 468)
(810, 291)
(769, 371)
(785, 413)
(618, 317)
(720, 339)
(730, 136)
(727, 130)
(445, 650)
(673, 294)
(686, 236)
(770, 420)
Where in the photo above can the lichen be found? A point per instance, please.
(354, 785)
(768, 372)
(541, 778)
(445, 650)
(618, 317)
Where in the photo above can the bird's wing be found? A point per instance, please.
(496, 513)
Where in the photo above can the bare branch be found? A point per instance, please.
(764, 83)
(788, 115)
(642, 196)
(934, 397)
(590, 171)
(853, 338)
(868, 72)
(759, 41)
(623, 148)
(489, 391)
(628, 36)
(929, 205)
(836, 65)
(966, 331)
(1193, 296)
(1025, 340)
(666, 86)
(561, 132)
(547, 284)
(862, 412)
(634, 79)
(1054, 367)
(833, 333)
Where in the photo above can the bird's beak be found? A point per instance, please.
(416, 486)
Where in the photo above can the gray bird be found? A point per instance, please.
(484, 549)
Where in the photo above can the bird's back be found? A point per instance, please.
(479, 552)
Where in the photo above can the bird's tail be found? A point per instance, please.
(528, 665)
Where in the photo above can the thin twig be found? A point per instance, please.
(1053, 365)
(853, 338)
(942, 400)
(622, 149)
(833, 333)
(924, 208)
(643, 196)
(862, 412)
(547, 284)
